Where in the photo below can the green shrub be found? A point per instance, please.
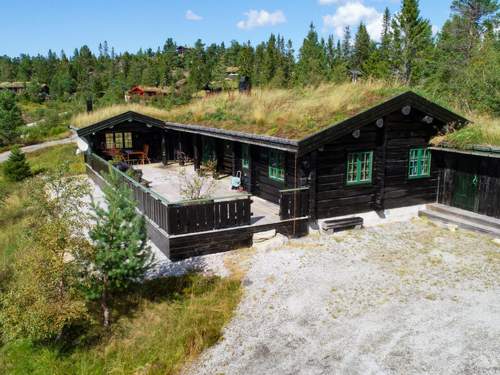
(16, 168)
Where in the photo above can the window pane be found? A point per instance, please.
(276, 165)
(419, 164)
(127, 140)
(118, 140)
(359, 167)
(109, 141)
(245, 157)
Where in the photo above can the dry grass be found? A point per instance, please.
(276, 112)
(484, 130)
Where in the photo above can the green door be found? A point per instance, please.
(465, 191)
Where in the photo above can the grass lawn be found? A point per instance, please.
(159, 326)
(12, 213)
(170, 322)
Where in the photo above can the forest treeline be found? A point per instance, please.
(459, 64)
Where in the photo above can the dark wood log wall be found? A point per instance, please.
(263, 186)
(227, 162)
(140, 135)
(390, 187)
(185, 246)
(486, 170)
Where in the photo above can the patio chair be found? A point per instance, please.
(114, 153)
(141, 155)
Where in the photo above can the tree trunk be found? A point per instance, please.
(104, 303)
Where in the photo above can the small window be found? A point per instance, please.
(119, 140)
(419, 164)
(276, 165)
(127, 140)
(110, 143)
(359, 167)
(245, 157)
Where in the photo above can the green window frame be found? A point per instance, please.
(245, 156)
(419, 163)
(359, 167)
(276, 165)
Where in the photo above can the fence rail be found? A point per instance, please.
(181, 217)
(294, 203)
(209, 215)
(152, 205)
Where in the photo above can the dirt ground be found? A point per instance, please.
(405, 298)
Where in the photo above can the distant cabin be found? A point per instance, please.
(20, 87)
(145, 92)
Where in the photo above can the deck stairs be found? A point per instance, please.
(461, 218)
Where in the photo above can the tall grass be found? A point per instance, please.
(484, 130)
(171, 321)
(290, 113)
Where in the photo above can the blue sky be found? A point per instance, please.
(35, 26)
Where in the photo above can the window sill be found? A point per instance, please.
(359, 183)
(418, 177)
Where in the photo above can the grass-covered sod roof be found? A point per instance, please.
(285, 113)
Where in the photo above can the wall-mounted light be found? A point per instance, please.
(380, 123)
(406, 110)
(149, 125)
(356, 133)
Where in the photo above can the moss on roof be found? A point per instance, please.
(292, 113)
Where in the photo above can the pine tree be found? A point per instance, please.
(413, 38)
(10, 118)
(362, 47)
(16, 167)
(346, 45)
(477, 17)
(385, 39)
(312, 65)
(121, 255)
(379, 63)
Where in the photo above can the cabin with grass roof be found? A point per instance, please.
(282, 176)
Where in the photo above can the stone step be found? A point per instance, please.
(459, 221)
(464, 214)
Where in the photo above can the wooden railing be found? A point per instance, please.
(294, 203)
(181, 217)
(151, 204)
(205, 215)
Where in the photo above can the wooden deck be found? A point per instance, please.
(167, 181)
(185, 229)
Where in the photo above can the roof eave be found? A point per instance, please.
(344, 127)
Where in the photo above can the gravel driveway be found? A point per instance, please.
(405, 298)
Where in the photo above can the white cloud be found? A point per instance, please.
(192, 16)
(260, 18)
(435, 30)
(351, 14)
(328, 2)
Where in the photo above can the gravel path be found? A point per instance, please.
(5, 155)
(407, 298)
